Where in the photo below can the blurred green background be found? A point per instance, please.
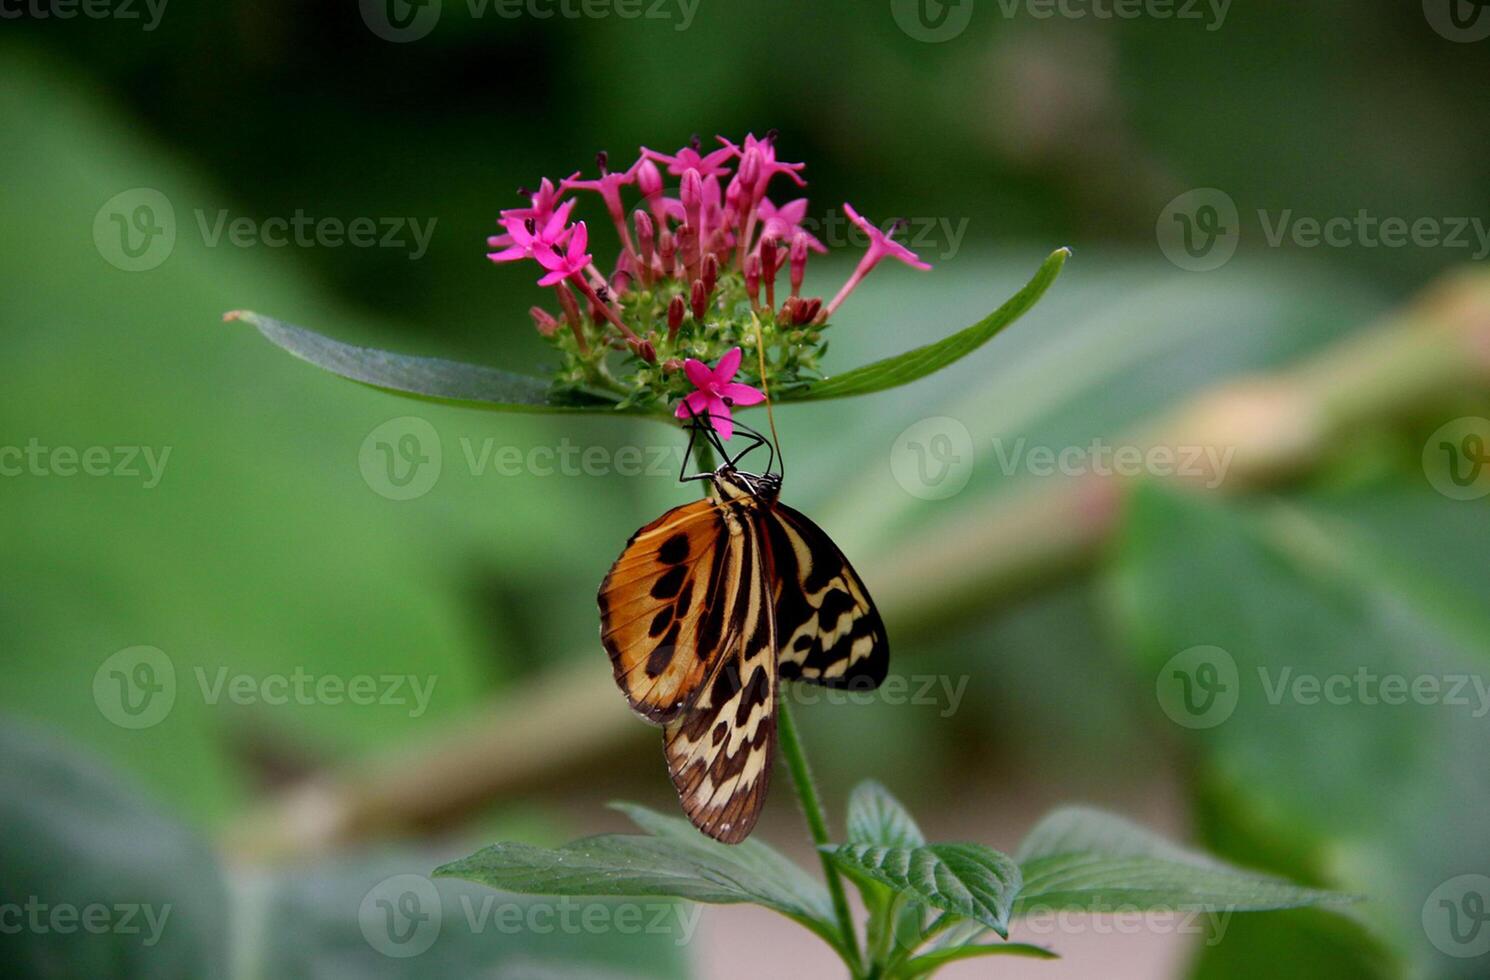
(263, 549)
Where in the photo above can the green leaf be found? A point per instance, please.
(927, 963)
(430, 378)
(770, 872)
(878, 819)
(922, 361)
(1086, 860)
(967, 880)
(670, 862)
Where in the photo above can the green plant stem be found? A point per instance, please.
(817, 826)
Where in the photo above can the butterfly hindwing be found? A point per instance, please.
(665, 606)
(828, 628)
(720, 751)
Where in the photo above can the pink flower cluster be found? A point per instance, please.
(697, 214)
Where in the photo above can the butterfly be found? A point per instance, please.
(710, 608)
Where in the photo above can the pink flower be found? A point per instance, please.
(717, 392)
(880, 244)
(785, 223)
(544, 201)
(769, 165)
(608, 186)
(571, 263)
(526, 237)
(880, 247)
(689, 158)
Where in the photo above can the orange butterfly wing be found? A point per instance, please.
(666, 607)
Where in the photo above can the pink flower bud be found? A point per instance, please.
(675, 312)
(642, 349)
(699, 300)
(648, 179)
(667, 247)
(799, 261)
(543, 320)
(753, 279)
(711, 274)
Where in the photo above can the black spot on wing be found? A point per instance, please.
(662, 654)
(661, 622)
(834, 605)
(668, 584)
(756, 692)
(726, 684)
(674, 549)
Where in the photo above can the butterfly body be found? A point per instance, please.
(707, 610)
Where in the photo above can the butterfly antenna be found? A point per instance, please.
(760, 352)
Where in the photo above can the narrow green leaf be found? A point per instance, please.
(429, 378)
(878, 819)
(924, 965)
(967, 880)
(770, 872)
(675, 861)
(1086, 860)
(922, 361)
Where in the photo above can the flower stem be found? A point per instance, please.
(817, 825)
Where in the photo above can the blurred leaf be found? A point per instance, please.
(967, 880)
(1086, 860)
(878, 819)
(1383, 799)
(913, 365)
(669, 864)
(433, 378)
(74, 839)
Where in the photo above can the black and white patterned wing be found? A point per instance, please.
(828, 630)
